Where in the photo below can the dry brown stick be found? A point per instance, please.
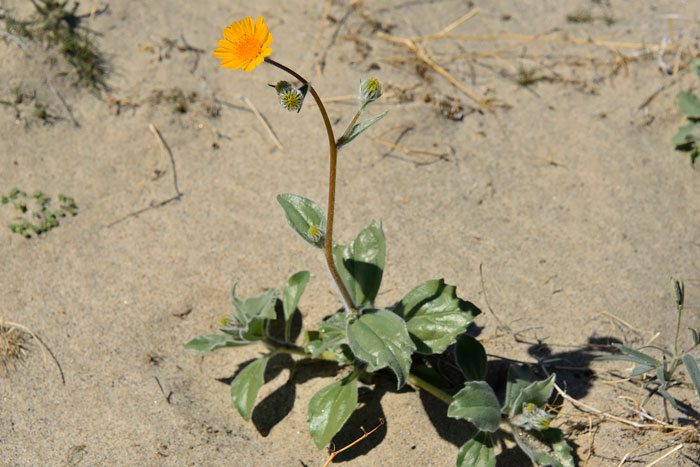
(366, 434)
(165, 149)
(575, 402)
(93, 10)
(420, 53)
(671, 451)
(554, 37)
(647, 443)
(447, 29)
(264, 123)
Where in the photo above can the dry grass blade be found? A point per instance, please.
(264, 123)
(11, 343)
(366, 434)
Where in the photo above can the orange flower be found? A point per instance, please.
(245, 45)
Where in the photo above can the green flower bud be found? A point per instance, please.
(678, 291)
(281, 86)
(532, 418)
(290, 97)
(370, 91)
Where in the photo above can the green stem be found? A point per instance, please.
(426, 386)
(352, 123)
(678, 331)
(328, 246)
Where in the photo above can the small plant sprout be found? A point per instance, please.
(36, 216)
(660, 375)
(688, 136)
(365, 337)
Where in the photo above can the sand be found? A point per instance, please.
(566, 193)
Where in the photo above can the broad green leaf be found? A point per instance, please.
(331, 333)
(381, 339)
(477, 403)
(519, 377)
(330, 408)
(361, 264)
(692, 367)
(262, 306)
(554, 437)
(435, 315)
(689, 104)
(245, 386)
(539, 458)
(687, 134)
(292, 292)
(471, 357)
(359, 128)
(537, 393)
(430, 375)
(210, 342)
(477, 452)
(305, 217)
(695, 335)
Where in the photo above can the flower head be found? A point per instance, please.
(370, 91)
(245, 45)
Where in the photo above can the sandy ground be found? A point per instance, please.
(567, 192)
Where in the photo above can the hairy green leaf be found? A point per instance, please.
(380, 338)
(695, 336)
(435, 315)
(471, 357)
(305, 217)
(477, 403)
(331, 333)
(330, 408)
(519, 377)
(245, 386)
(292, 292)
(361, 264)
(555, 438)
(692, 367)
(359, 128)
(537, 393)
(632, 356)
(477, 452)
(209, 342)
(539, 458)
(689, 104)
(262, 306)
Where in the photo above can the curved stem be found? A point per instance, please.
(426, 386)
(328, 246)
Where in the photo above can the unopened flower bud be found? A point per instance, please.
(532, 418)
(290, 97)
(316, 233)
(370, 91)
(678, 291)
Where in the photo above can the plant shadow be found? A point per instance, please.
(572, 367)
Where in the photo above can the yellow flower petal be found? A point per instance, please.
(245, 44)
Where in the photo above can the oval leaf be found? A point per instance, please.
(330, 408)
(292, 292)
(537, 393)
(435, 315)
(689, 104)
(210, 342)
(380, 338)
(471, 357)
(361, 264)
(305, 217)
(477, 452)
(245, 386)
(477, 403)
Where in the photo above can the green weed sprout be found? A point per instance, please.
(688, 136)
(364, 337)
(661, 373)
(36, 216)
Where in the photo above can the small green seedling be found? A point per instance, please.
(661, 374)
(57, 26)
(35, 215)
(688, 136)
(364, 337)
